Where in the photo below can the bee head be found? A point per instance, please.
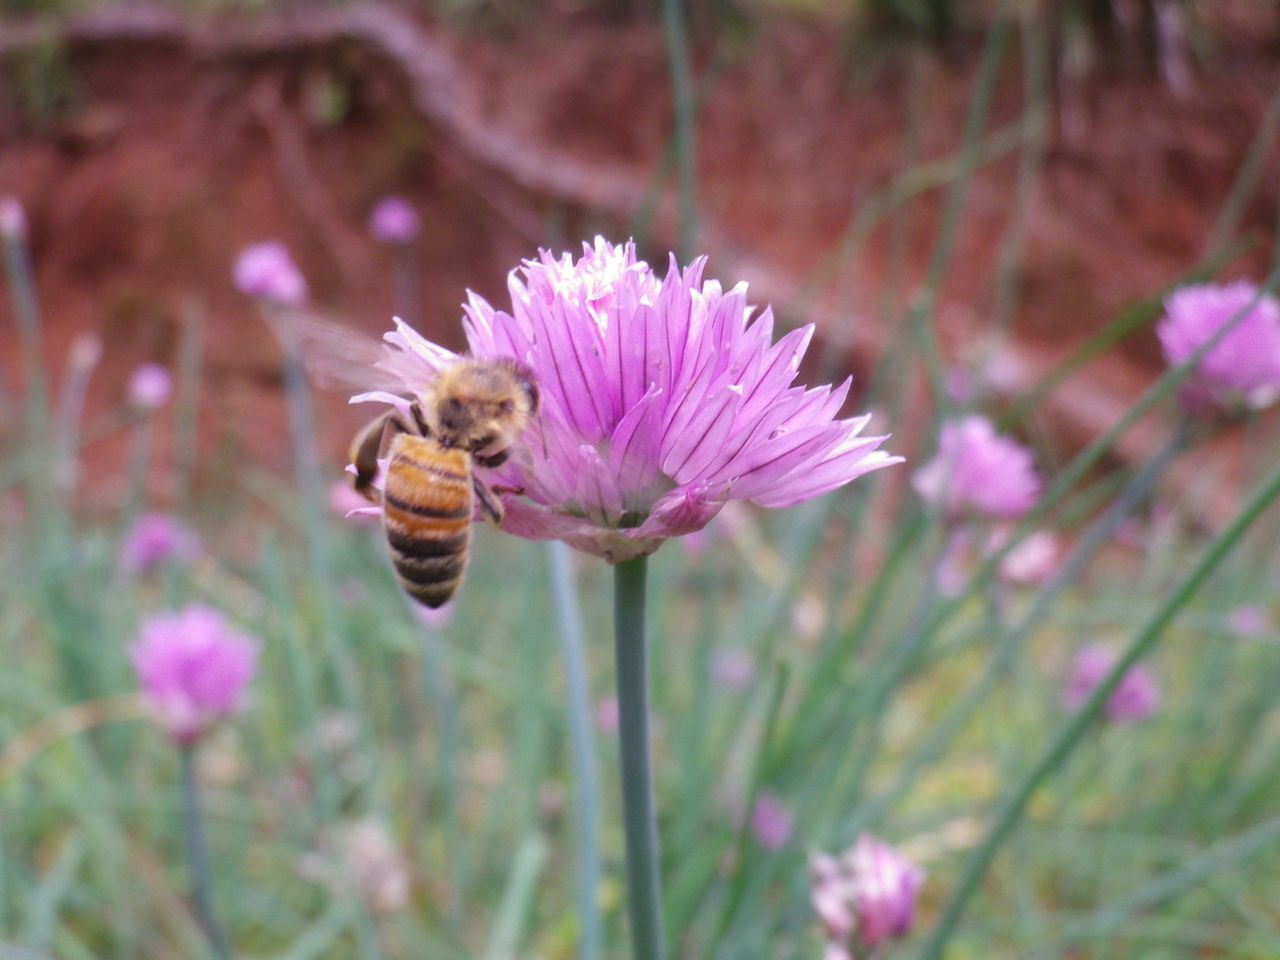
(480, 406)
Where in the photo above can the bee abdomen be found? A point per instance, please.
(427, 512)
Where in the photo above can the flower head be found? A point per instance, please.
(733, 668)
(394, 220)
(265, 271)
(606, 714)
(661, 401)
(150, 387)
(1032, 562)
(193, 669)
(771, 822)
(1249, 620)
(865, 896)
(156, 539)
(978, 473)
(1134, 699)
(1242, 370)
(13, 219)
(361, 857)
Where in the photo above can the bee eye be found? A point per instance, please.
(506, 406)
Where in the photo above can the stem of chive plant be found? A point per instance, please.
(644, 888)
(198, 857)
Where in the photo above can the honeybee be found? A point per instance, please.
(470, 413)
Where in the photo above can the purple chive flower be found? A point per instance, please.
(193, 669)
(607, 714)
(1249, 620)
(394, 220)
(1242, 371)
(771, 822)
(156, 539)
(265, 271)
(661, 402)
(13, 219)
(865, 896)
(1134, 699)
(150, 387)
(978, 473)
(733, 668)
(1032, 562)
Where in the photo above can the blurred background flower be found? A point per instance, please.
(193, 668)
(265, 271)
(1134, 699)
(394, 220)
(1242, 370)
(156, 539)
(150, 387)
(771, 822)
(978, 473)
(863, 897)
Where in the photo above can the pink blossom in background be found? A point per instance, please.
(662, 401)
(86, 352)
(265, 271)
(1249, 620)
(978, 473)
(771, 822)
(954, 565)
(1032, 562)
(374, 865)
(193, 668)
(960, 385)
(150, 387)
(733, 668)
(607, 714)
(394, 220)
(13, 219)
(865, 896)
(156, 539)
(1135, 698)
(1242, 371)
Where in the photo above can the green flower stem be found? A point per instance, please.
(198, 857)
(581, 749)
(685, 101)
(22, 290)
(408, 294)
(644, 889)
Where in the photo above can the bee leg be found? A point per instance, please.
(490, 505)
(491, 461)
(371, 442)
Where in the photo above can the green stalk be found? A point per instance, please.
(686, 106)
(1073, 731)
(198, 857)
(408, 297)
(22, 290)
(644, 890)
(581, 749)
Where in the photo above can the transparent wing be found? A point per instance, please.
(336, 357)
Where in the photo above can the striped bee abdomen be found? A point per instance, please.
(427, 507)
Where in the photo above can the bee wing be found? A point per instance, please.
(337, 357)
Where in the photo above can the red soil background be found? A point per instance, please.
(186, 139)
